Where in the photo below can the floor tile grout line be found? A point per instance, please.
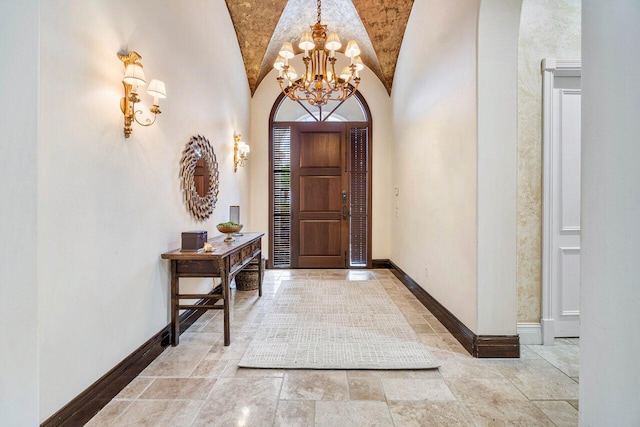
(195, 417)
(120, 414)
(275, 413)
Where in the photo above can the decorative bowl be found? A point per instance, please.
(229, 230)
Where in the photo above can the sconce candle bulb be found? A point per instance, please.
(133, 78)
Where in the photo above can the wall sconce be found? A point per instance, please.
(134, 77)
(240, 151)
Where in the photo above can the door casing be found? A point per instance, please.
(555, 252)
(359, 127)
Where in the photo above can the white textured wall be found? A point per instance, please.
(497, 146)
(435, 140)
(109, 206)
(381, 175)
(548, 28)
(379, 104)
(610, 289)
(19, 35)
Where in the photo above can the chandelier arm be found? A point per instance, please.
(305, 78)
(352, 69)
(291, 92)
(325, 76)
(321, 93)
(287, 75)
(334, 76)
(280, 81)
(315, 64)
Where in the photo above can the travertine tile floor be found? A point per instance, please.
(198, 382)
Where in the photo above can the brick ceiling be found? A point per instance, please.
(262, 25)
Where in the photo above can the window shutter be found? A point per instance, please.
(359, 202)
(281, 196)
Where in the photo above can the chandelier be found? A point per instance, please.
(319, 83)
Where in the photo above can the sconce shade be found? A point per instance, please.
(156, 89)
(352, 49)
(134, 75)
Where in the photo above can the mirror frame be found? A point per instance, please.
(200, 207)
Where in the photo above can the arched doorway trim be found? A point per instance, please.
(290, 221)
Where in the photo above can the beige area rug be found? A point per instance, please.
(335, 324)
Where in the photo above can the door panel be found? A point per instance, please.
(565, 213)
(314, 191)
(318, 175)
(320, 238)
(321, 245)
(320, 150)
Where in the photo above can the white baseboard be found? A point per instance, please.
(548, 331)
(530, 333)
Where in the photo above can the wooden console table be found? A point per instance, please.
(224, 262)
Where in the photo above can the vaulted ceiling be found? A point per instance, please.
(262, 25)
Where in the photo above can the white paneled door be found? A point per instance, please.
(565, 213)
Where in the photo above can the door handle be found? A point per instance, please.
(344, 204)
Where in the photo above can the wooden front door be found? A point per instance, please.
(319, 228)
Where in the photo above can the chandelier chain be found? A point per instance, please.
(319, 12)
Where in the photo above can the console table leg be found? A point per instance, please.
(175, 318)
(260, 272)
(226, 291)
